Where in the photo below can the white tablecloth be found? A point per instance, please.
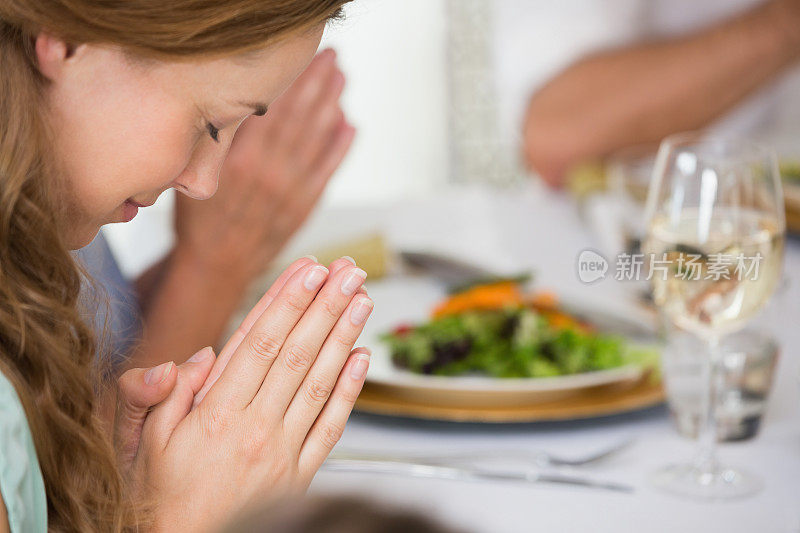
(533, 228)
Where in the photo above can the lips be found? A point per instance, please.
(129, 211)
(130, 208)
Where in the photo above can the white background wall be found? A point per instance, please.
(393, 54)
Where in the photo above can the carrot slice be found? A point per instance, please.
(544, 301)
(481, 298)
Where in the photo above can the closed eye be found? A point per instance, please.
(213, 131)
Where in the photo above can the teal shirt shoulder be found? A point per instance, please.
(21, 482)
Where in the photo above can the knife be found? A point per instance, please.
(427, 471)
(451, 271)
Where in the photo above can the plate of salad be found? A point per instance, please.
(496, 343)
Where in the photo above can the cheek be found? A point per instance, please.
(151, 161)
(118, 142)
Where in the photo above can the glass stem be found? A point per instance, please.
(706, 459)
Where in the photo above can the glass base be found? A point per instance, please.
(722, 483)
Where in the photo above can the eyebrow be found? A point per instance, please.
(259, 109)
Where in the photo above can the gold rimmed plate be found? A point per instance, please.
(587, 403)
(407, 300)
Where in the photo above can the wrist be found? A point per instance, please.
(198, 269)
(215, 282)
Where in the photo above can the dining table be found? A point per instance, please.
(521, 228)
(530, 228)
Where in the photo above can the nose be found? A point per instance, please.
(197, 186)
(200, 177)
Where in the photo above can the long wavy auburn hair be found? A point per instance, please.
(47, 350)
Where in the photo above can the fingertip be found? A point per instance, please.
(315, 277)
(347, 131)
(159, 374)
(300, 269)
(301, 262)
(163, 389)
(328, 53)
(198, 371)
(204, 355)
(360, 363)
(341, 263)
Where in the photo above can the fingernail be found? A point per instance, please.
(348, 258)
(361, 311)
(312, 257)
(314, 277)
(360, 366)
(202, 355)
(353, 281)
(158, 374)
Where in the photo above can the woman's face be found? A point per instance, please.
(127, 130)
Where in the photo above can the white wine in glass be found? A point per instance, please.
(715, 238)
(718, 281)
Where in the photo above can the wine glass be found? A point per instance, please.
(715, 237)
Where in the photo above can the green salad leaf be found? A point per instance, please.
(516, 342)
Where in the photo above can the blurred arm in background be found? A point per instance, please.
(642, 93)
(273, 176)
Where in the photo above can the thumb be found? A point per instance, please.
(165, 417)
(139, 389)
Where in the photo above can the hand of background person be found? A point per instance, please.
(274, 406)
(275, 172)
(640, 93)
